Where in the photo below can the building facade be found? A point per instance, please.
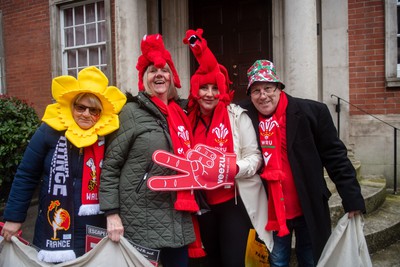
(323, 50)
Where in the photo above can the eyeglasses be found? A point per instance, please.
(82, 108)
(268, 90)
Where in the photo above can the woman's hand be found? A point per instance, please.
(114, 227)
(10, 229)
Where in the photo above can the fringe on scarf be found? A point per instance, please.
(89, 209)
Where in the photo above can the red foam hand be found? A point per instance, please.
(203, 168)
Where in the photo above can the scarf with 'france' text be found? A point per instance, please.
(57, 242)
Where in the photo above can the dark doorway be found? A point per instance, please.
(237, 31)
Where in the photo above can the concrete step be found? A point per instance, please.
(373, 190)
(387, 257)
(382, 220)
(382, 227)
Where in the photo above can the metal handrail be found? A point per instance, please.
(394, 128)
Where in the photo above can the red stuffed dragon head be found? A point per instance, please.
(209, 70)
(154, 52)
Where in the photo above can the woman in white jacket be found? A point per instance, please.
(215, 122)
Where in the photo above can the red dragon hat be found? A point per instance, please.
(154, 52)
(209, 71)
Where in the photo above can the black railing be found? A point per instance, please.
(395, 135)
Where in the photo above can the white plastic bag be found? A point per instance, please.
(346, 246)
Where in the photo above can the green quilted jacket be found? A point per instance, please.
(149, 217)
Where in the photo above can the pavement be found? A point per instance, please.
(388, 257)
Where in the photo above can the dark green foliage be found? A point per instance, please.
(18, 122)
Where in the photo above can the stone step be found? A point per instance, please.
(382, 220)
(382, 226)
(373, 189)
(387, 257)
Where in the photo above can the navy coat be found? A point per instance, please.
(33, 171)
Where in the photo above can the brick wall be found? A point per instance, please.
(367, 60)
(26, 29)
(26, 35)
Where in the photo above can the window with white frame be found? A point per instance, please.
(81, 32)
(2, 65)
(392, 42)
(398, 37)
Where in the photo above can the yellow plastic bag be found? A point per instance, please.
(256, 252)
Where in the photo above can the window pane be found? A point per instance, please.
(82, 57)
(103, 55)
(104, 69)
(72, 72)
(71, 55)
(80, 35)
(100, 11)
(93, 57)
(398, 38)
(69, 37)
(398, 19)
(79, 15)
(398, 50)
(90, 13)
(68, 18)
(102, 32)
(90, 33)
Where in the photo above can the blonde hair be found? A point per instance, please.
(172, 91)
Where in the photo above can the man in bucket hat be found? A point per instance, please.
(298, 140)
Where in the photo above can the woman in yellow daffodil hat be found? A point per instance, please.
(65, 157)
(65, 88)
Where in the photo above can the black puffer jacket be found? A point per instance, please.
(149, 217)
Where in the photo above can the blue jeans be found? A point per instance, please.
(280, 255)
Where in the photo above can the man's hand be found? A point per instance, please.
(353, 213)
(203, 168)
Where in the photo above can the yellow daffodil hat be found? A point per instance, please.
(65, 88)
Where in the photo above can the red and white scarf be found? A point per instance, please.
(270, 140)
(220, 133)
(181, 136)
(93, 160)
(58, 240)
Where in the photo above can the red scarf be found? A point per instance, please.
(220, 133)
(181, 136)
(214, 131)
(180, 131)
(92, 160)
(270, 140)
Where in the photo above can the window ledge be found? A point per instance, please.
(392, 82)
